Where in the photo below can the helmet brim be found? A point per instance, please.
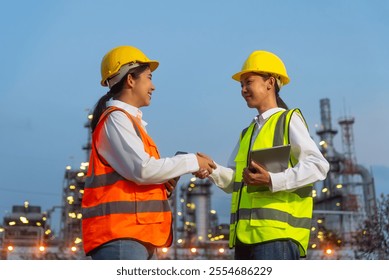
(237, 76)
(153, 64)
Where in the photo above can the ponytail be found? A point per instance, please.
(280, 102)
(99, 109)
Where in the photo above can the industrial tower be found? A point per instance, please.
(347, 196)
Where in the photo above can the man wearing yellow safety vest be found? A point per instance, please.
(126, 214)
(270, 211)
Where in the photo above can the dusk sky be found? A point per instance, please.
(51, 53)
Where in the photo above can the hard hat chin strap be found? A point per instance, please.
(121, 73)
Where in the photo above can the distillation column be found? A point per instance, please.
(327, 133)
(350, 167)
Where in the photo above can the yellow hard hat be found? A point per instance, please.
(264, 62)
(123, 55)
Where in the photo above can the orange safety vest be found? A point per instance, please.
(114, 207)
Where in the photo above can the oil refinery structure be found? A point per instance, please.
(342, 202)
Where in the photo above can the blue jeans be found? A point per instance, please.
(124, 249)
(274, 250)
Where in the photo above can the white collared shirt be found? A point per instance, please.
(311, 166)
(122, 148)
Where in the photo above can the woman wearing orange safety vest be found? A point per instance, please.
(126, 214)
(270, 211)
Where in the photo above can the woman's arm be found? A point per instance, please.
(122, 148)
(311, 166)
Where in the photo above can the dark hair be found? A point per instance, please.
(101, 104)
(280, 102)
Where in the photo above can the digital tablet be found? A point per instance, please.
(274, 159)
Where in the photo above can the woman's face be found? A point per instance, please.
(254, 89)
(143, 88)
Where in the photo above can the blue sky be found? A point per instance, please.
(51, 52)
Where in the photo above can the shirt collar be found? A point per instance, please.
(134, 111)
(260, 119)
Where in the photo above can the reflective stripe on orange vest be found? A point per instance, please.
(120, 207)
(116, 208)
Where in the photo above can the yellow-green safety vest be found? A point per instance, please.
(259, 215)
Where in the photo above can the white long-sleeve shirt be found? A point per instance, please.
(122, 148)
(311, 166)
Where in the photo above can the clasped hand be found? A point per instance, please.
(206, 164)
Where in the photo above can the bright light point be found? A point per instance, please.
(323, 144)
(221, 250)
(70, 199)
(193, 250)
(164, 250)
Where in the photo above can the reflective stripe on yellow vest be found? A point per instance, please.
(114, 207)
(257, 214)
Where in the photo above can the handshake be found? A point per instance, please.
(206, 164)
